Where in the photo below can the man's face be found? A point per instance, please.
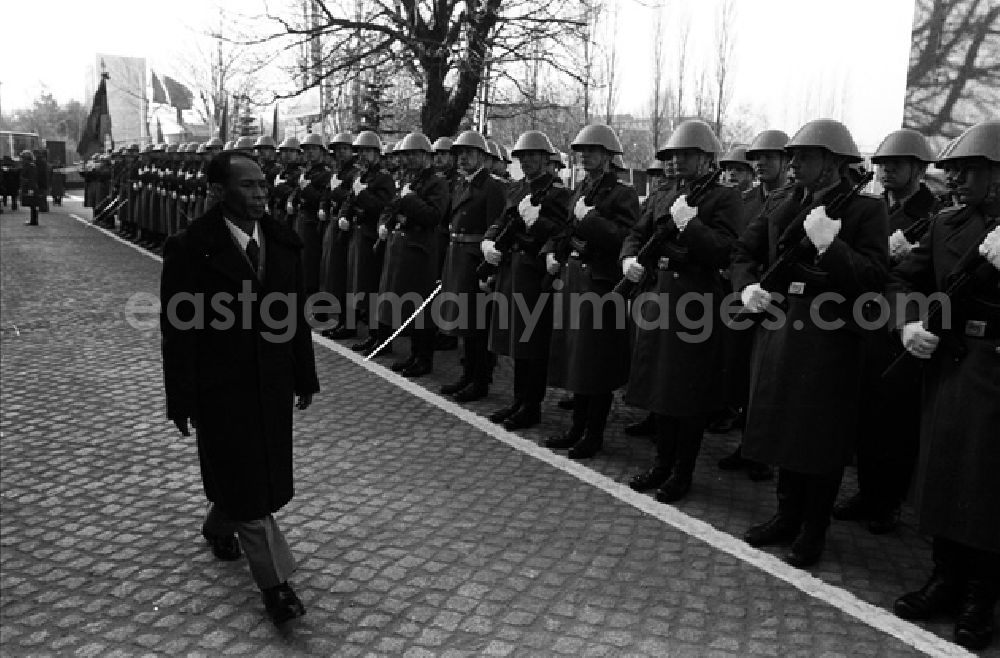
(769, 165)
(469, 159)
(690, 163)
(245, 193)
(444, 160)
(367, 157)
(739, 175)
(265, 153)
(412, 160)
(594, 158)
(976, 181)
(532, 162)
(812, 166)
(342, 153)
(313, 154)
(896, 173)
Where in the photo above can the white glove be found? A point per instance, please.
(303, 181)
(278, 180)
(383, 231)
(289, 208)
(184, 199)
(358, 186)
(682, 213)
(201, 174)
(990, 248)
(490, 252)
(528, 211)
(406, 191)
(334, 182)
(321, 215)
(343, 224)
(173, 195)
(755, 298)
(918, 341)
(899, 246)
(632, 270)
(551, 264)
(581, 209)
(820, 229)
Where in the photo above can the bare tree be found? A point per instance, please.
(725, 39)
(954, 73)
(662, 97)
(704, 105)
(683, 35)
(611, 70)
(444, 45)
(592, 10)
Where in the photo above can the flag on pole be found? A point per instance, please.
(98, 126)
(180, 96)
(159, 93)
(274, 124)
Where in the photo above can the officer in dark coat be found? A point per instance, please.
(767, 154)
(889, 425)
(311, 186)
(286, 181)
(333, 268)
(29, 186)
(807, 361)
(237, 383)
(371, 191)
(677, 360)
(476, 203)
(590, 341)
(521, 327)
(409, 230)
(958, 488)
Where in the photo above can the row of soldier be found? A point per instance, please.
(814, 397)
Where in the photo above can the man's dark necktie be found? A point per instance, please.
(253, 253)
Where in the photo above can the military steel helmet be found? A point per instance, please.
(442, 145)
(597, 134)
(736, 155)
(472, 139)
(905, 143)
(215, 142)
(827, 134)
(415, 142)
(691, 134)
(314, 139)
(367, 139)
(264, 141)
(172, 148)
(532, 140)
(345, 138)
(980, 141)
(768, 140)
(244, 143)
(290, 144)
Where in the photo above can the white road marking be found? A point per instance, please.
(116, 237)
(839, 598)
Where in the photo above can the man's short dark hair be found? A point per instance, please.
(220, 167)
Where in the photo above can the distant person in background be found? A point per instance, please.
(10, 181)
(42, 173)
(29, 186)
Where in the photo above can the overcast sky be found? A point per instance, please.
(794, 59)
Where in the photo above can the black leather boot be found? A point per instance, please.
(500, 415)
(942, 592)
(574, 434)
(689, 434)
(527, 416)
(783, 527)
(974, 627)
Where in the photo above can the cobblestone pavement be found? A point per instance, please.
(417, 533)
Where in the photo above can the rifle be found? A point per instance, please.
(505, 239)
(794, 253)
(567, 242)
(961, 276)
(665, 231)
(391, 211)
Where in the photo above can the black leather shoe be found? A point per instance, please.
(807, 549)
(854, 508)
(419, 368)
(734, 461)
(651, 478)
(758, 472)
(366, 345)
(282, 604)
(566, 403)
(472, 392)
(939, 595)
(674, 489)
(403, 364)
(500, 415)
(527, 416)
(777, 530)
(341, 332)
(883, 522)
(455, 387)
(974, 627)
(224, 548)
(645, 427)
(567, 439)
(586, 447)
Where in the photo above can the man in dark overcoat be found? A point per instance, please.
(234, 369)
(957, 487)
(808, 353)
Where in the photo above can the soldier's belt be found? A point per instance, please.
(467, 238)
